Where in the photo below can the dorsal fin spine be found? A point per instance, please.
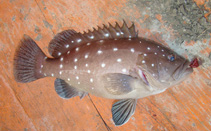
(63, 41)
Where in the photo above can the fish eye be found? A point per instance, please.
(171, 57)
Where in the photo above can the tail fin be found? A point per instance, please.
(28, 60)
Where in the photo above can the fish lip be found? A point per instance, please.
(182, 70)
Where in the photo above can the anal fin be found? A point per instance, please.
(123, 110)
(66, 91)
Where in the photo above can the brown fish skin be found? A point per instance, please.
(85, 66)
(111, 62)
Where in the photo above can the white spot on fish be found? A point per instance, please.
(67, 46)
(52, 74)
(163, 55)
(68, 52)
(75, 67)
(124, 70)
(155, 53)
(89, 71)
(45, 58)
(108, 79)
(119, 60)
(160, 63)
(59, 53)
(68, 79)
(40, 71)
(132, 50)
(129, 39)
(77, 49)
(130, 36)
(91, 80)
(61, 59)
(148, 48)
(41, 66)
(60, 72)
(75, 60)
(143, 61)
(61, 66)
(92, 88)
(107, 34)
(139, 41)
(45, 74)
(72, 41)
(79, 83)
(153, 74)
(122, 33)
(101, 41)
(86, 65)
(145, 54)
(78, 40)
(91, 37)
(88, 43)
(86, 56)
(158, 46)
(77, 77)
(115, 49)
(115, 39)
(99, 52)
(117, 33)
(153, 65)
(162, 50)
(103, 65)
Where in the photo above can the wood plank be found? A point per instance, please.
(36, 106)
(13, 115)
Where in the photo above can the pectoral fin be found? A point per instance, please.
(118, 84)
(123, 110)
(66, 91)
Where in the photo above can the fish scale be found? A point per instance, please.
(95, 62)
(110, 62)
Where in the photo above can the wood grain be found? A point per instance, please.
(36, 106)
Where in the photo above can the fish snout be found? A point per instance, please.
(183, 70)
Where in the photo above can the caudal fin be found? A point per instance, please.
(28, 60)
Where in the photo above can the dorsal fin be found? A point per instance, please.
(68, 39)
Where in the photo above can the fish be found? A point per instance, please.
(111, 62)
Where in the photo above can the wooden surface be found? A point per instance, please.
(36, 106)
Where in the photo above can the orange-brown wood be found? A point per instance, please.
(36, 106)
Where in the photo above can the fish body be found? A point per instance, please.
(111, 62)
(86, 66)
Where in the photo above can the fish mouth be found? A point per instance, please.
(182, 70)
(195, 63)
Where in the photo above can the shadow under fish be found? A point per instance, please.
(110, 62)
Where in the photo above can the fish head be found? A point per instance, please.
(174, 69)
(163, 69)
